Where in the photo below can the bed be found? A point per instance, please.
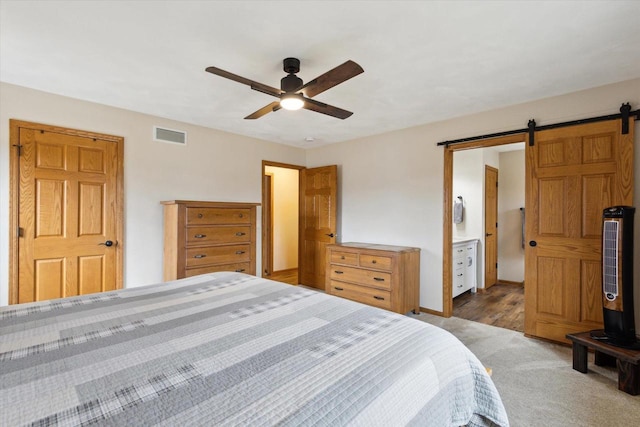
(230, 349)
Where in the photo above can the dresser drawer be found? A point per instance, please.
(198, 216)
(214, 235)
(348, 258)
(363, 277)
(241, 267)
(218, 255)
(363, 294)
(375, 261)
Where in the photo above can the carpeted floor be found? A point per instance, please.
(537, 383)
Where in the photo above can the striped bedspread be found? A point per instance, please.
(232, 349)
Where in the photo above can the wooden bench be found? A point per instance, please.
(626, 360)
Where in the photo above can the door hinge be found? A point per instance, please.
(19, 147)
(20, 232)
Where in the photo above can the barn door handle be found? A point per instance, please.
(533, 243)
(488, 234)
(108, 243)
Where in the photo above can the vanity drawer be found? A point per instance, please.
(364, 277)
(348, 258)
(218, 255)
(363, 294)
(198, 216)
(214, 235)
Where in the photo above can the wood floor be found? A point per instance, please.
(286, 276)
(500, 305)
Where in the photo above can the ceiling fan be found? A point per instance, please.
(293, 94)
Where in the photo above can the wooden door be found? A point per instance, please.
(69, 213)
(318, 201)
(573, 173)
(490, 226)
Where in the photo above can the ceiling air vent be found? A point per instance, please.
(169, 135)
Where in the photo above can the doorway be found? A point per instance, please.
(489, 207)
(281, 228)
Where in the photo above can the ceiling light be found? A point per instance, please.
(291, 101)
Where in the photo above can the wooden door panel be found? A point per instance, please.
(50, 209)
(599, 148)
(490, 226)
(91, 212)
(553, 207)
(597, 194)
(573, 173)
(552, 272)
(591, 293)
(68, 208)
(91, 274)
(50, 279)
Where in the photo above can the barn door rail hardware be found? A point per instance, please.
(624, 114)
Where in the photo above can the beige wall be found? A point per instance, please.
(510, 200)
(391, 184)
(285, 217)
(214, 165)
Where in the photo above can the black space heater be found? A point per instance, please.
(617, 277)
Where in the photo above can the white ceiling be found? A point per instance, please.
(424, 61)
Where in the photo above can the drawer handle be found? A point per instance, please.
(459, 274)
(374, 262)
(200, 215)
(338, 289)
(378, 279)
(240, 216)
(199, 256)
(240, 233)
(342, 257)
(460, 263)
(459, 286)
(200, 236)
(460, 250)
(338, 272)
(239, 252)
(239, 270)
(379, 298)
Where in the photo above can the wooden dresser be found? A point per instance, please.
(203, 237)
(380, 275)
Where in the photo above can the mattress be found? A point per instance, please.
(231, 349)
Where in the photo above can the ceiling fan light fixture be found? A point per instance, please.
(291, 101)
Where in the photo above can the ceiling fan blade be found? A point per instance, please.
(274, 106)
(329, 110)
(236, 78)
(331, 78)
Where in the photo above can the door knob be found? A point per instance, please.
(488, 234)
(107, 243)
(330, 234)
(533, 243)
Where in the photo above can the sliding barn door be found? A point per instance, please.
(573, 173)
(318, 211)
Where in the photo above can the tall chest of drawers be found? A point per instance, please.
(379, 275)
(204, 237)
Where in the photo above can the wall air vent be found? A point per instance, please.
(172, 136)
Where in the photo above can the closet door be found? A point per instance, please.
(573, 173)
